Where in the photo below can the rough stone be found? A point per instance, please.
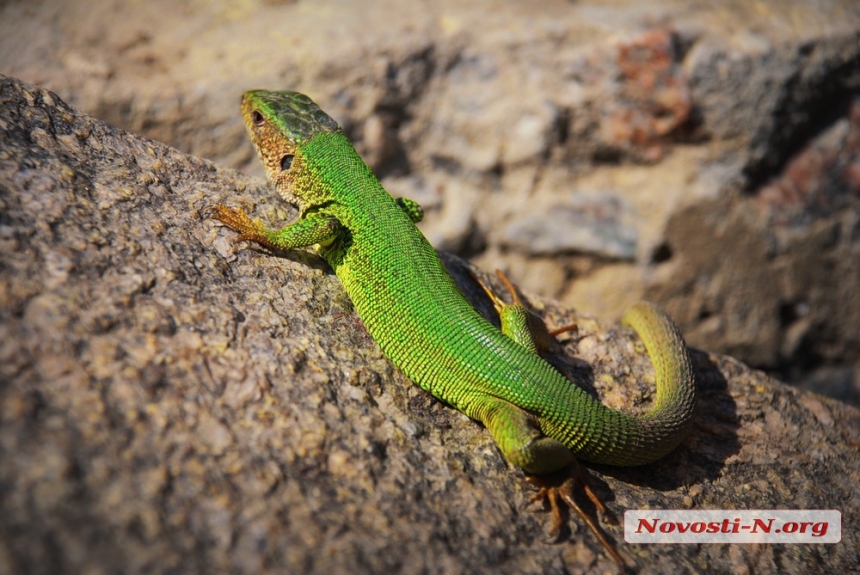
(170, 405)
(677, 107)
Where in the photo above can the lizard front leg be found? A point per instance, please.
(315, 229)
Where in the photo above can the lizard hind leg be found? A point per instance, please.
(559, 490)
(517, 321)
(548, 464)
(520, 439)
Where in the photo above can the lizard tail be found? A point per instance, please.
(616, 438)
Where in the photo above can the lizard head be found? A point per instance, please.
(279, 123)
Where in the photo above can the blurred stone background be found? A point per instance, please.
(702, 155)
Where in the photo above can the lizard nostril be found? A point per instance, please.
(258, 118)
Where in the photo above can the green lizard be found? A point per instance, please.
(416, 313)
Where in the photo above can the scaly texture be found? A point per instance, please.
(416, 313)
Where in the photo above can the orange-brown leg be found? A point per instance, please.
(559, 488)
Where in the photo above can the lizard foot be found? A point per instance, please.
(517, 321)
(571, 327)
(559, 489)
(236, 219)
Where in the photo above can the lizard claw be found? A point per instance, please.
(558, 489)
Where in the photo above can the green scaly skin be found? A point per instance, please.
(418, 316)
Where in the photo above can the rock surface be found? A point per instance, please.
(170, 406)
(721, 136)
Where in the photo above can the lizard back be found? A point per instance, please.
(416, 313)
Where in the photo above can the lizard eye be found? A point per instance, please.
(286, 162)
(259, 120)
